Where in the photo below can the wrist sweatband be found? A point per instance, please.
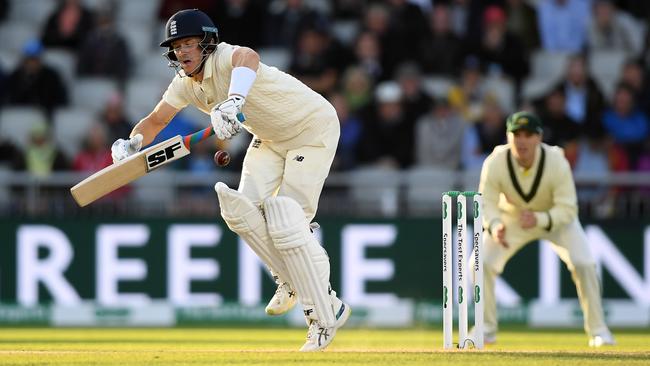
(241, 81)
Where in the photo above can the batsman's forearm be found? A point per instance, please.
(149, 128)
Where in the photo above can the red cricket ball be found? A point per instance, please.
(221, 158)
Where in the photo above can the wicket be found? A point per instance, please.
(461, 266)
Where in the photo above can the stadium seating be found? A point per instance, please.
(437, 86)
(504, 90)
(277, 57)
(92, 93)
(33, 13)
(548, 65)
(605, 67)
(154, 66)
(71, 125)
(17, 122)
(142, 95)
(14, 35)
(137, 12)
(139, 39)
(423, 187)
(375, 190)
(62, 61)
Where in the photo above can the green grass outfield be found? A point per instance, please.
(244, 346)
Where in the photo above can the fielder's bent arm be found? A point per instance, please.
(151, 125)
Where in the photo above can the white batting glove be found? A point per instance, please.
(226, 117)
(122, 148)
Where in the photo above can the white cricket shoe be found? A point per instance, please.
(488, 337)
(603, 339)
(319, 337)
(282, 301)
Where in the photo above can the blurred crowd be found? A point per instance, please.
(416, 83)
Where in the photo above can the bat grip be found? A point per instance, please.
(198, 136)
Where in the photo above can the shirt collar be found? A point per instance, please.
(207, 71)
(525, 171)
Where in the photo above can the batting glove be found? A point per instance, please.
(122, 148)
(226, 117)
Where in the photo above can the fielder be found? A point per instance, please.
(529, 194)
(295, 134)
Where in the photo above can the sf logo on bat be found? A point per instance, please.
(165, 152)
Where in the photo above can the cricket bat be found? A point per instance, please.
(135, 166)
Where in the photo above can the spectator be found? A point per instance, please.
(104, 52)
(357, 89)
(3, 84)
(367, 55)
(4, 9)
(115, 119)
(610, 30)
(41, 156)
(627, 124)
(240, 21)
(346, 153)
(348, 9)
(486, 134)
(559, 128)
(467, 97)
(634, 75)
(170, 7)
(95, 153)
(286, 20)
(202, 162)
(416, 102)
(68, 25)
(522, 21)
(563, 24)
(500, 52)
(314, 60)
(10, 156)
(35, 83)
(440, 51)
(584, 100)
(639, 9)
(387, 136)
(438, 137)
(592, 158)
(407, 22)
(376, 24)
(459, 17)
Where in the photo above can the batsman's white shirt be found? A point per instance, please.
(295, 129)
(278, 107)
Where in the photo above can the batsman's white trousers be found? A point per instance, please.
(570, 244)
(295, 168)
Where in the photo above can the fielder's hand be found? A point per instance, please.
(122, 148)
(227, 116)
(499, 234)
(527, 219)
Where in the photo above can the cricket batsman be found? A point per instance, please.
(295, 134)
(529, 194)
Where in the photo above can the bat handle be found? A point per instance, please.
(198, 136)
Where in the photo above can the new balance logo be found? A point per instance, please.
(299, 158)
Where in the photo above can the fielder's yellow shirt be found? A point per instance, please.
(278, 107)
(547, 188)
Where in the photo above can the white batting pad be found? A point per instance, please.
(247, 221)
(306, 261)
